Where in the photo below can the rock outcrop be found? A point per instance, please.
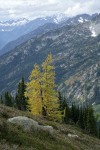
(72, 135)
(29, 124)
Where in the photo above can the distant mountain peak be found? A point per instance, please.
(18, 22)
(59, 18)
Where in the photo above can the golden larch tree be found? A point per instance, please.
(49, 92)
(43, 99)
(33, 91)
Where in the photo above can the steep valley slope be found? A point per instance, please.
(76, 53)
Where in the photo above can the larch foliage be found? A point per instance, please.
(49, 93)
(33, 91)
(43, 100)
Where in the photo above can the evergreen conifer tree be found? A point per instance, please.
(62, 105)
(81, 118)
(74, 113)
(85, 114)
(8, 99)
(67, 114)
(20, 99)
(61, 101)
(91, 122)
(1, 100)
(99, 131)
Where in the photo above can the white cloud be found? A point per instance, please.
(35, 8)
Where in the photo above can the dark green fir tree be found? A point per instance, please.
(80, 121)
(20, 99)
(8, 99)
(1, 100)
(66, 113)
(91, 121)
(74, 113)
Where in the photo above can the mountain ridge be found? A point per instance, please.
(76, 60)
(31, 25)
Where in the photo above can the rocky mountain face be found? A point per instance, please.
(37, 32)
(76, 53)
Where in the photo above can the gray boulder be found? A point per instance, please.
(25, 122)
(29, 124)
(48, 129)
(72, 135)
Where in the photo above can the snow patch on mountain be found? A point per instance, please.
(59, 18)
(93, 33)
(81, 20)
(86, 20)
(5, 30)
(12, 23)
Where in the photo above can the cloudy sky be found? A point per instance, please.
(13, 9)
